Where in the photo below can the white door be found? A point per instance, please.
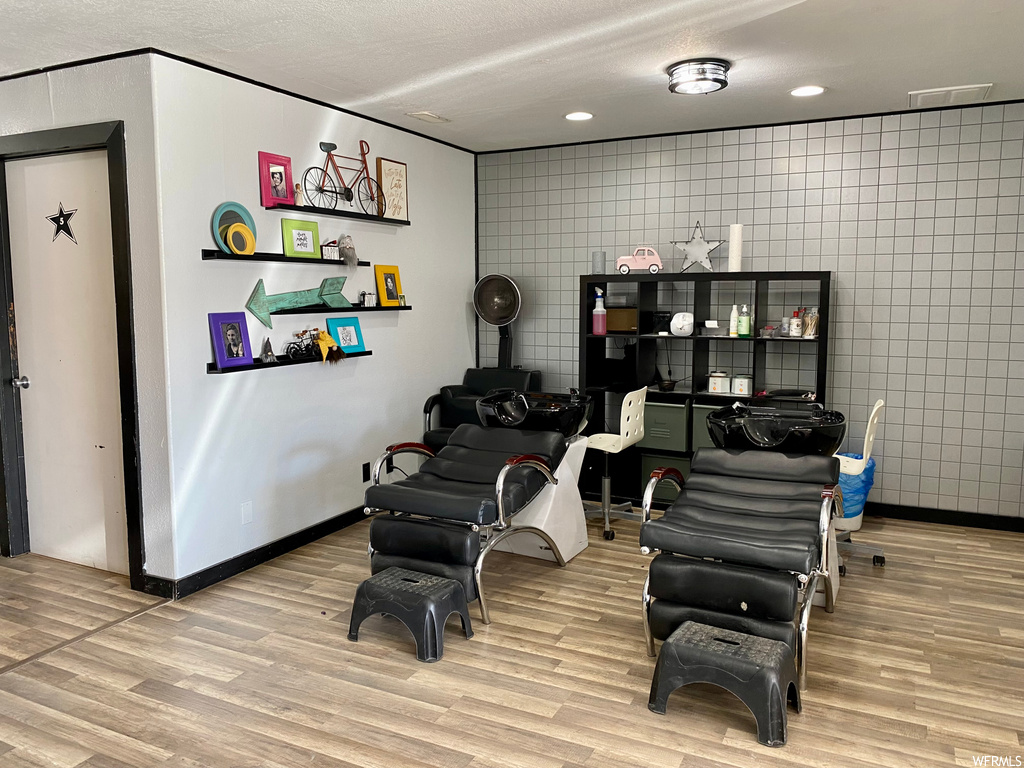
(62, 264)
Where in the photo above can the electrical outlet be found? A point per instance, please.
(246, 512)
(366, 472)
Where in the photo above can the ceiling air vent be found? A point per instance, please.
(948, 97)
(428, 117)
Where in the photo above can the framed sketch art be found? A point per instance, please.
(347, 333)
(276, 180)
(230, 339)
(301, 238)
(393, 177)
(389, 285)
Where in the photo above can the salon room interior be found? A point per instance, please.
(547, 384)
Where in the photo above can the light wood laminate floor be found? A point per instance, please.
(922, 664)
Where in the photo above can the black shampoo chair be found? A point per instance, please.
(456, 403)
(747, 536)
(449, 515)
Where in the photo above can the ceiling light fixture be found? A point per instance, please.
(807, 90)
(698, 76)
(578, 116)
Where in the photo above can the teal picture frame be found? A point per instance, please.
(301, 238)
(347, 333)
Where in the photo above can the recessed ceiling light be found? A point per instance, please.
(807, 90)
(428, 117)
(698, 76)
(578, 116)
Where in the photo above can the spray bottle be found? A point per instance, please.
(600, 315)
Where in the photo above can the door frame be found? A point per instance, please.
(14, 533)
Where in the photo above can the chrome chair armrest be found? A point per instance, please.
(428, 410)
(669, 474)
(393, 450)
(526, 460)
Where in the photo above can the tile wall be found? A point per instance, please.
(918, 216)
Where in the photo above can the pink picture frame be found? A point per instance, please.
(276, 186)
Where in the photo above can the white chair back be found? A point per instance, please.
(850, 466)
(631, 420)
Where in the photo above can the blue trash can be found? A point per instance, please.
(855, 488)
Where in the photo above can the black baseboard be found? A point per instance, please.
(945, 517)
(175, 590)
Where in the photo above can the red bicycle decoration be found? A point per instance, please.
(323, 191)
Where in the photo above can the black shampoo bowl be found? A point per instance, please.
(802, 428)
(536, 411)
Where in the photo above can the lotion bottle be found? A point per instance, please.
(743, 322)
(600, 318)
(734, 319)
(796, 325)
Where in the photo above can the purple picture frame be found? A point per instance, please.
(272, 195)
(221, 326)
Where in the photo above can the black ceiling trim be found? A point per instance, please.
(748, 127)
(233, 76)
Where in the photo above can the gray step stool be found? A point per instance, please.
(420, 601)
(761, 672)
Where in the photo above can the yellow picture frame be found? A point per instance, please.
(389, 285)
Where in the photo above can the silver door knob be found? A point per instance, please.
(23, 382)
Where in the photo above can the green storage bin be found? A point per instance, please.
(701, 436)
(664, 427)
(665, 492)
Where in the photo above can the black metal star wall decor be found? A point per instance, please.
(61, 221)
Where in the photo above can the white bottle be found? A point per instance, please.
(734, 319)
(796, 325)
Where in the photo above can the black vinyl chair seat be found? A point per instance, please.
(459, 483)
(763, 512)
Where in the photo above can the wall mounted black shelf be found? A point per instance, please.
(339, 212)
(260, 366)
(212, 254)
(320, 308)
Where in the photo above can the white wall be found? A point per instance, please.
(293, 440)
(120, 90)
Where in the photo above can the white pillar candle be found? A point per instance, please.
(735, 247)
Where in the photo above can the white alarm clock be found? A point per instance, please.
(681, 324)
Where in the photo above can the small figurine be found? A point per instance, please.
(643, 258)
(348, 251)
(298, 194)
(329, 348)
(268, 355)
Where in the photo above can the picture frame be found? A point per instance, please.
(301, 238)
(276, 187)
(392, 176)
(225, 328)
(389, 285)
(347, 332)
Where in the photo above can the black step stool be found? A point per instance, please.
(420, 601)
(761, 672)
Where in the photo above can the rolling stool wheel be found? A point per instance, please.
(842, 570)
(610, 535)
(878, 560)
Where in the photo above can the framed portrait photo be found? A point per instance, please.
(230, 339)
(393, 179)
(389, 285)
(276, 180)
(347, 333)
(301, 238)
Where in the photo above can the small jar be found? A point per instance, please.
(784, 327)
(719, 383)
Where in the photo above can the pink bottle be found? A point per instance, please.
(600, 315)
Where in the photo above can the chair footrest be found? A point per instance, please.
(761, 672)
(420, 601)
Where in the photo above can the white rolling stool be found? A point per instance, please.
(631, 430)
(850, 466)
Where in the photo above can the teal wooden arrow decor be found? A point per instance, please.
(328, 294)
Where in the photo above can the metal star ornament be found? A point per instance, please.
(696, 250)
(61, 221)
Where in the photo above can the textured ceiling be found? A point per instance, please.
(505, 74)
